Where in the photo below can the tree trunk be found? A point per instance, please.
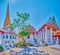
(23, 40)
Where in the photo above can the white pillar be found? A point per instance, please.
(46, 34)
(51, 35)
(54, 40)
(1, 38)
(39, 38)
(43, 33)
(35, 36)
(57, 41)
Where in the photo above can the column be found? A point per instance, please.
(57, 41)
(54, 40)
(46, 34)
(43, 33)
(51, 35)
(38, 38)
(1, 38)
(35, 36)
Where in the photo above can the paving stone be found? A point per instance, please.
(28, 51)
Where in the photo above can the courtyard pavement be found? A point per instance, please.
(47, 50)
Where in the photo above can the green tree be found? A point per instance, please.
(20, 22)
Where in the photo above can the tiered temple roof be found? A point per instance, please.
(51, 23)
(30, 28)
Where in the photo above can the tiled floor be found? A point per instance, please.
(32, 51)
(49, 50)
(28, 51)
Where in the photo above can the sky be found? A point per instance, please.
(40, 11)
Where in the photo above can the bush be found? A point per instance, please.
(1, 48)
(21, 44)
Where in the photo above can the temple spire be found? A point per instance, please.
(7, 19)
(52, 21)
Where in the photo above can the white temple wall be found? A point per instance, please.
(30, 40)
(40, 37)
(43, 34)
(8, 43)
(0, 38)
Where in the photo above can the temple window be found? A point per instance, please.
(3, 36)
(13, 37)
(12, 41)
(10, 36)
(6, 42)
(10, 46)
(6, 46)
(6, 36)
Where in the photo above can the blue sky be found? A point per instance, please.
(40, 10)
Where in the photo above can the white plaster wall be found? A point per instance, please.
(30, 40)
(0, 38)
(40, 36)
(10, 42)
